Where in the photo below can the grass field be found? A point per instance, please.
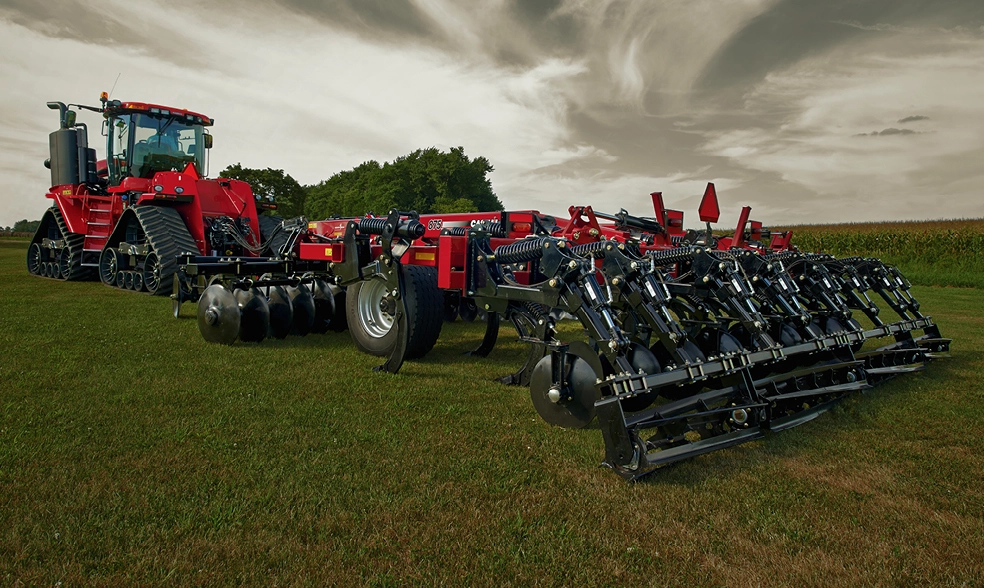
(133, 453)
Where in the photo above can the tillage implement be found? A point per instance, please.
(692, 341)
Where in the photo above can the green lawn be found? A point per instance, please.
(132, 452)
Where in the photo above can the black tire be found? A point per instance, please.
(370, 330)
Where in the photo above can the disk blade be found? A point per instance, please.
(303, 303)
(324, 306)
(255, 315)
(281, 311)
(575, 409)
(218, 315)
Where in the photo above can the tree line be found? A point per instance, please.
(426, 180)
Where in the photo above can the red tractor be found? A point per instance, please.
(126, 217)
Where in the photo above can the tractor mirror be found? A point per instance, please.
(208, 141)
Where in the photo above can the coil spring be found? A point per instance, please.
(493, 228)
(784, 256)
(525, 250)
(671, 256)
(372, 226)
(595, 250)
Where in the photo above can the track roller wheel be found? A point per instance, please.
(138, 281)
(573, 405)
(121, 280)
(254, 322)
(304, 309)
(370, 308)
(218, 315)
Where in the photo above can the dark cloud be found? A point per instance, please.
(382, 20)
(913, 118)
(795, 29)
(887, 132)
(66, 19)
(90, 23)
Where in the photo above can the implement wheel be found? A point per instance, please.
(369, 309)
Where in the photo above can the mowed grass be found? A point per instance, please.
(937, 253)
(132, 452)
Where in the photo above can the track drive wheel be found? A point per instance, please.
(35, 260)
(109, 265)
(369, 309)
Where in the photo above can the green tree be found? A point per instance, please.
(426, 180)
(272, 184)
(26, 226)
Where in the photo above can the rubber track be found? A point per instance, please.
(74, 243)
(166, 233)
(168, 237)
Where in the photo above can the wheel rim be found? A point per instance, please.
(128, 280)
(120, 280)
(108, 266)
(34, 259)
(152, 272)
(138, 281)
(65, 264)
(373, 319)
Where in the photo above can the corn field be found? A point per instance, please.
(938, 253)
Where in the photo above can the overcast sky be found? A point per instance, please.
(807, 110)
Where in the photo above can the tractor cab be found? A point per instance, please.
(143, 139)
